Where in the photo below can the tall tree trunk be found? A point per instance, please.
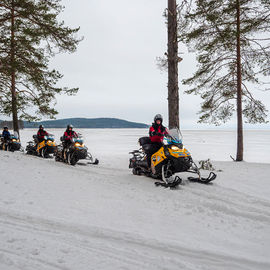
(12, 60)
(239, 155)
(173, 95)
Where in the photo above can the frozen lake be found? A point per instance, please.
(106, 144)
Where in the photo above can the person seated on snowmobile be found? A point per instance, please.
(5, 136)
(156, 133)
(69, 134)
(41, 134)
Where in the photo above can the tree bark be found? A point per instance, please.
(173, 95)
(240, 148)
(13, 88)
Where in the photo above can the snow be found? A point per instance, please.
(55, 216)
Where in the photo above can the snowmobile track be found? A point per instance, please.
(119, 248)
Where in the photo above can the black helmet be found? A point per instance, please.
(41, 126)
(5, 128)
(158, 117)
(69, 126)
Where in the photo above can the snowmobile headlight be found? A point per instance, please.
(175, 148)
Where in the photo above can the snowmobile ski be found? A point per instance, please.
(91, 159)
(177, 181)
(212, 176)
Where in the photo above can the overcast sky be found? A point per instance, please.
(115, 65)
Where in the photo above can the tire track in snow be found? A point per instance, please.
(17, 261)
(119, 248)
(76, 238)
(233, 203)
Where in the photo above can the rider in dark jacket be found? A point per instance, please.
(5, 134)
(6, 137)
(156, 133)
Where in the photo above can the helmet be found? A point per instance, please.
(41, 126)
(158, 117)
(5, 128)
(69, 126)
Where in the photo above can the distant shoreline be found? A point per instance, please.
(81, 123)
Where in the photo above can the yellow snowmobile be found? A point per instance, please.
(44, 148)
(75, 152)
(171, 158)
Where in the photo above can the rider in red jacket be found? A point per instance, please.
(41, 133)
(69, 134)
(156, 133)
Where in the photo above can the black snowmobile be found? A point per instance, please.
(171, 158)
(13, 144)
(75, 152)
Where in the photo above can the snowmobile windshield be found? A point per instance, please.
(50, 137)
(16, 135)
(174, 136)
(13, 136)
(79, 139)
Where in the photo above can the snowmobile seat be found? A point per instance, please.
(35, 137)
(147, 148)
(144, 140)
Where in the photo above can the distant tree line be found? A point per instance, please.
(9, 124)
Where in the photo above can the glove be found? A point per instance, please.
(155, 133)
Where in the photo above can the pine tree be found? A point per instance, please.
(231, 39)
(170, 62)
(30, 35)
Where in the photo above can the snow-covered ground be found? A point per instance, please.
(54, 216)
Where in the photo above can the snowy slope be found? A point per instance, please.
(54, 216)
